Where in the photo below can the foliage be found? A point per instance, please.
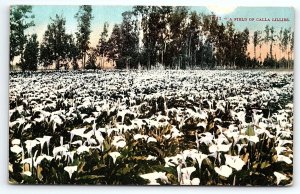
(169, 37)
(180, 127)
(20, 20)
(84, 17)
(55, 46)
(31, 54)
(92, 59)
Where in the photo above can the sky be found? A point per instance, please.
(257, 13)
(113, 15)
(101, 14)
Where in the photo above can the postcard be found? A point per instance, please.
(151, 95)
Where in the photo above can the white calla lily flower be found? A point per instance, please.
(224, 170)
(70, 170)
(114, 156)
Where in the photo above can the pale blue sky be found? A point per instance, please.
(113, 15)
(101, 14)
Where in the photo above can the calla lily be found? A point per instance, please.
(27, 173)
(42, 142)
(16, 149)
(27, 126)
(195, 181)
(191, 153)
(234, 161)
(47, 139)
(119, 142)
(253, 139)
(219, 148)
(40, 158)
(61, 149)
(151, 157)
(82, 149)
(284, 142)
(173, 161)
(200, 157)
(240, 146)
(186, 175)
(114, 156)
(279, 177)
(206, 138)
(27, 161)
(78, 132)
(15, 142)
(224, 170)
(78, 142)
(30, 144)
(56, 121)
(279, 150)
(70, 170)
(151, 139)
(284, 159)
(152, 177)
(99, 137)
(139, 136)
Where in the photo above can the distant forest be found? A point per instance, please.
(148, 37)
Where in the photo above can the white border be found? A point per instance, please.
(4, 56)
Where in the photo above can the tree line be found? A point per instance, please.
(148, 37)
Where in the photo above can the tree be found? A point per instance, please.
(229, 59)
(155, 32)
(269, 37)
(129, 34)
(72, 53)
(255, 41)
(31, 54)
(45, 55)
(20, 20)
(272, 39)
(84, 17)
(292, 44)
(244, 44)
(267, 34)
(143, 13)
(178, 44)
(280, 41)
(114, 44)
(291, 48)
(54, 46)
(102, 47)
(193, 38)
(92, 59)
(160, 17)
(123, 44)
(260, 42)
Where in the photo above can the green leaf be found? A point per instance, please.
(265, 164)
(250, 131)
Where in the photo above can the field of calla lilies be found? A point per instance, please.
(166, 127)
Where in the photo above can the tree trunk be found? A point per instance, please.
(271, 50)
(57, 64)
(260, 53)
(195, 58)
(162, 57)
(148, 61)
(84, 60)
(102, 61)
(189, 60)
(11, 64)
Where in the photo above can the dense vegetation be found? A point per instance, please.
(147, 37)
(192, 127)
